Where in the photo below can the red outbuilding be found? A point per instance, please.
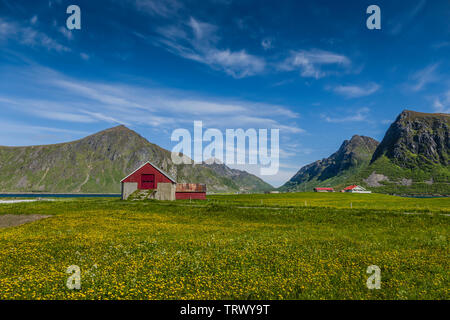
(323, 190)
(191, 191)
(160, 185)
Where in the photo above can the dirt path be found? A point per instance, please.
(12, 220)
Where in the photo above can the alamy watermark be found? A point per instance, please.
(374, 281)
(373, 22)
(74, 20)
(74, 280)
(235, 147)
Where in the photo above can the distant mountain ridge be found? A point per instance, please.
(412, 158)
(98, 162)
(351, 156)
(240, 177)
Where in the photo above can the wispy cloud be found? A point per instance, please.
(424, 77)
(30, 134)
(313, 62)
(202, 42)
(164, 8)
(72, 100)
(408, 16)
(267, 43)
(85, 56)
(25, 35)
(34, 19)
(441, 104)
(65, 32)
(198, 41)
(359, 115)
(354, 91)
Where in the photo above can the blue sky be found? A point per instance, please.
(309, 68)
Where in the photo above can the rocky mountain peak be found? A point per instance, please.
(358, 144)
(415, 139)
(351, 155)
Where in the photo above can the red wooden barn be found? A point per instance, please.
(150, 177)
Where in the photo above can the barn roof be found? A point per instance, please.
(157, 168)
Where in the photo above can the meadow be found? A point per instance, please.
(268, 246)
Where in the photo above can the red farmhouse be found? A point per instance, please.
(150, 177)
(355, 189)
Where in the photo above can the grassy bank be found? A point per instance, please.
(224, 249)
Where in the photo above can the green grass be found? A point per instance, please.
(337, 200)
(440, 175)
(225, 249)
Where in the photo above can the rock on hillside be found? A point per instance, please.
(416, 139)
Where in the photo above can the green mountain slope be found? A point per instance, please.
(413, 157)
(352, 156)
(245, 181)
(98, 162)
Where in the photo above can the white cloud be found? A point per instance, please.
(28, 36)
(357, 116)
(424, 77)
(34, 19)
(196, 40)
(311, 63)
(267, 44)
(71, 100)
(407, 17)
(105, 118)
(65, 32)
(164, 8)
(353, 91)
(30, 134)
(46, 109)
(441, 104)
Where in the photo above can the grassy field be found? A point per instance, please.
(230, 247)
(336, 200)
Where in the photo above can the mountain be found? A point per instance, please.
(247, 182)
(98, 162)
(417, 139)
(412, 158)
(353, 155)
